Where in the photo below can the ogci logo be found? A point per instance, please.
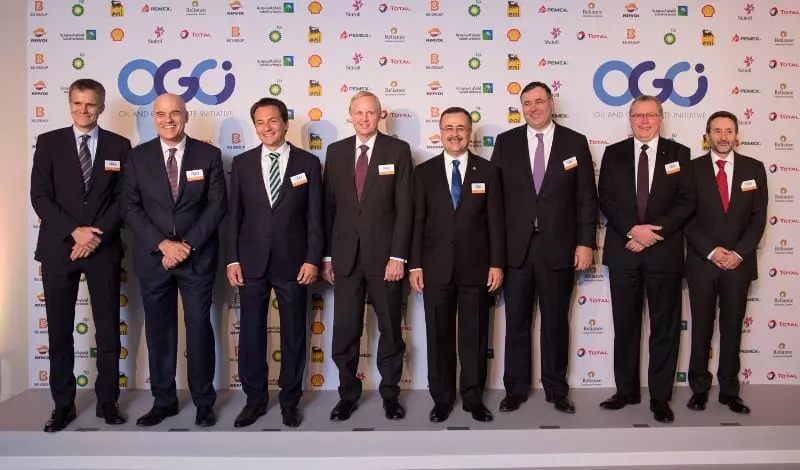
(634, 75)
(191, 83)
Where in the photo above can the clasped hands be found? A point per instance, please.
(725, 259)
(87, 239)
(643, 236)
(174, 252)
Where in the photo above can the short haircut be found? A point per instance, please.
(722, 114)
(455, 110)
(530, 86)
(361, 94)
(645, 99)
(270, 102)
(83, 84)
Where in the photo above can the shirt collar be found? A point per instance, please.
(547, 131)
(728, 158)
(651, 144)
(283, 150)
(92, 133)
(370, 143)
(462, 158)
(181, 146)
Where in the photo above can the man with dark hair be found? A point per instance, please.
(457, 260)
(275, 241)
(647, 195)
(75, 184)
(551, 213)
(723, 235)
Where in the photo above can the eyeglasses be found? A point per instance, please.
(537, 103)
(458, 129)
(643, 116)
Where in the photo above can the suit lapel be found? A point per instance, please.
(441, 177)
(186, 164)
(469, 176)
(526, 153)
(372, 170)
(556, 152)
(254, 170)
(291, 170)
(161, 180)
(736, 182)
(98, 167)
(628, 167)
(74, 159)
(659, 171)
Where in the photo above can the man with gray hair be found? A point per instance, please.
(368, 211)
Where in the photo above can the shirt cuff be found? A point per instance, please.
(415, 269)
(398, 259)
(326, 259)
(232, 264)
(710, 255)
(737, 255)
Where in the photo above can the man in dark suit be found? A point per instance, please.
(728, 223)
(275, 240)
(174, 199)
(551, 214)
(74, 190)
(368, 185)
(457, 260)
(647, 194)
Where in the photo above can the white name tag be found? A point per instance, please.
(478, 188)
(749, 185)
(570, 163)
(194, 175)
(384, 170)
(113, 165)
(671, 168)
(298, 180)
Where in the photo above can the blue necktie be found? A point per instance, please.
(455, 184)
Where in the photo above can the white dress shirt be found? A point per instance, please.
(652, 145)
(448, 168)
(533, 143)
(266, 165)
(91, 143)
(181, 148)
(369, 143)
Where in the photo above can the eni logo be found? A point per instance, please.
(634, 75)
(191, 82)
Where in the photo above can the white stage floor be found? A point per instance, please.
(536, 436)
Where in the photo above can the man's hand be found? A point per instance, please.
(87, 237)
(307, 274)
(327, 272)
(645, 234)
(634, 246)
(416, 280)
(719, 256)
(495, 279)
(394, 271)
(732, 261)
(79, 252)
(174, 253)
(583, 257)
(235, 277)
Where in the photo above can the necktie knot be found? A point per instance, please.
(363, 148)
(721, 165)
(645, 147)
(274, 156)
(84, 139)
(456, 163)
(172, 152)
(540, 136)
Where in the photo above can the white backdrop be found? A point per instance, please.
(421, 57)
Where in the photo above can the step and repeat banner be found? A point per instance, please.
(421, 57)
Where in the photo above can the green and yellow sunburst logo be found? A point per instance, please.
(275, 36)
(82, 328)
(475, 116)
(669, 39)
(474, 63)
(474, 10)
(82, 381)
(78, 63)
(77, 9)
(275, 89)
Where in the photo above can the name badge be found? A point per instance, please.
(194, 175)
(385, 170)
(298, 180)
(113, 165)
(672, 168)
(478, 188)
(570, 163)
(749, 185)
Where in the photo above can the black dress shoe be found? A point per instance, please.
(59, 419)
(440, 413)
(661, 411)
(512, 402)
(249, 415)
(394, 410)
(563, 404)
(205, 416)
(110, 413)
(620, 401)
(156, 415)
(291, 416)
(480, 412)
(735, 404)
(697, 402)
(343, 410)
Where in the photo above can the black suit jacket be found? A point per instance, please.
(58, 197)
(458, 244)
(283, 237)
(149, 210)
(671, 203)
(566, 204)
(379, 226)
(740, 229)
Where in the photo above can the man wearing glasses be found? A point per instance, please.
(457, 260)
(551, 214)
(646, 193)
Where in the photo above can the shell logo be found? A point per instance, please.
(315, 114)
(123, 300)
(513, 35)
(317, 380)
(43, 349)
(435, 139)
(40, 296)
(315, 60)
(708, 10)
(123, 352)
(235, 5)
(315, 8)
(235, 378)
(39, 32)
(317, 328)
(514, 88)
(117, 34)
(39, 85)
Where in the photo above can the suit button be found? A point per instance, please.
(85, 202)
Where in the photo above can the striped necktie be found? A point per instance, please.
(274, 177)
(86, 161)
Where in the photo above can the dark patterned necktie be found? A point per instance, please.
(172, 173)
(274, 177)
(361, 171)
(455, 184)
(642, 184)
(85, 158)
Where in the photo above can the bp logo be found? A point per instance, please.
(81, 328)
(275, 36)
(475, 116)
(78, 63)
(474, 10)
(82, 380)
(474, 63)
(77, 9)
(275, 89)
(669, 39)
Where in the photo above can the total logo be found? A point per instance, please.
(773, 116)
(584, 35)
(386, 8)
(384, 61)
(774, 63)
(581, 352)
(582, 300)
(774, 11)
(186, 34)
(783, 220)
(634, 75)
(783, 376)
(191, 83)
(783, 272)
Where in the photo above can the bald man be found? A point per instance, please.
(174, 198)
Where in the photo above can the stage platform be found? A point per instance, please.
(536, 436)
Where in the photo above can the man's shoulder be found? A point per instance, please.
(302, 154)
(201, 147)
(514, 131)
(55, 134)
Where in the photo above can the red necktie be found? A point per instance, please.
(361, 170)
(722, 184)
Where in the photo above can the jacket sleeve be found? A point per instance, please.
(110, 220)
(586, 197)
(234, 218)
(684, 204)
(497, 220)
(216, 205)
(619, 220)
(43, 194)
(329, 203)
(404, 205)
(758, 215)
(420, 214)
(133, 212)
(315, 232)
